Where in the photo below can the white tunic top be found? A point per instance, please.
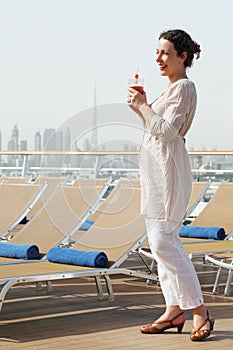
(166, 178)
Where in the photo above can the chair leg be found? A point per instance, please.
(153, 269)
(227, 290)
(216, 283)
(39, 286)
(108, 282)
(100, 293)
(49, 286)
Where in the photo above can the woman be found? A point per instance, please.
(166, 183)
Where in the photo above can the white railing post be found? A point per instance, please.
(24, 167)
(96, 168)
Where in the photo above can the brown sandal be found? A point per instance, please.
(202, 333)
(152, 329)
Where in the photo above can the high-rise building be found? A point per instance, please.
(23, 147)
(60, 160)
(37, 146)
(50, 144)
(67, 140)
(49, 140)
(10, 159)
(59, 140)
(37, 141)
(15, 138)
(13, 145)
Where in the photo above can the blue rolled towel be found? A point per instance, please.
(77, 257)
(19, 251)
(217, 233)
(86, 225)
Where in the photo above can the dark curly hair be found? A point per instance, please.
(182, 42)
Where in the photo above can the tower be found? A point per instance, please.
(37, 147)
(15, 138)
(37, 141)
(13, 145)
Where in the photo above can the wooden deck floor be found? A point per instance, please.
(70, 317)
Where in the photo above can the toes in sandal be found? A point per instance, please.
(200, 334)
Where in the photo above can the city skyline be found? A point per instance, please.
(218, 167)
(59, 140)
(52, 139)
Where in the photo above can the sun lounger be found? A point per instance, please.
(16, 201)
(82, 181)
(199, 190)
(218, 211)
(119, 223)
(212, 247)
(52, 184)
(118, 231)
(59, 218)
(15, 179)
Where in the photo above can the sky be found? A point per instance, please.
(60, 57)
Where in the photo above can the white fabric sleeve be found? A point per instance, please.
(177, 107)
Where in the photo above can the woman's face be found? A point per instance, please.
(169, 63)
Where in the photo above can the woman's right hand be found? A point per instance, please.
(135, 99)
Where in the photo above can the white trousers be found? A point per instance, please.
(177, 276)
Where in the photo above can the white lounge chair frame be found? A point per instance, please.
(222, 263)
